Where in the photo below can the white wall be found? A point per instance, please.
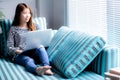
(45, 9)
(53, 10)
(8, 7)
(59, 13)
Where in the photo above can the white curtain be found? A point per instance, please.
(88, 16)
(113, 19)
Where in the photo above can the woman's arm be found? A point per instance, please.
(11, 42)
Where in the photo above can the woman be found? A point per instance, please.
(23, 23)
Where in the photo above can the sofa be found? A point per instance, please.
(73, 55)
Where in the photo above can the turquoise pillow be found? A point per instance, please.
(40, 23)
(71, 51)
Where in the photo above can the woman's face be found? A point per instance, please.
(25, 15)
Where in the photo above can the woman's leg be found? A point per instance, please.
(29, 63)
(26, 61)
(42, 56)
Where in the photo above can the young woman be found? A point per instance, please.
(22, 23)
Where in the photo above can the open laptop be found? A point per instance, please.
(34, 39)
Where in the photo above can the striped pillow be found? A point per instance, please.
(71, 51)
(41, 22)
(5, 26)
(10, 71)
(107, 59)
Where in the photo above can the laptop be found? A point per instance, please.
(34, 39)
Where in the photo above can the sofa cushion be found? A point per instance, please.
(71, 51)
(40, 22)
(107, 59)
(11, 71)
(6, 24)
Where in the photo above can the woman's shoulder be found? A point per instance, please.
(14, 28)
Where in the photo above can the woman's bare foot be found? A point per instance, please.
(42, 69)
(49, 72)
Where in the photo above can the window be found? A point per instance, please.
(113, 14)
(98, 17)
(88, 16)
(113, 21)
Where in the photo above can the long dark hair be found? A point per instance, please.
(16, 22)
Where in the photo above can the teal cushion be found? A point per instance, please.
(5, 26)
(107, 59)
(10, 71)
(40, 23)
(71, 51)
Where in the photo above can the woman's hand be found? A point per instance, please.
(19, 51)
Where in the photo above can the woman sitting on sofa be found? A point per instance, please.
(22, 23)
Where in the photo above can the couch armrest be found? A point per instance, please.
(108, 58)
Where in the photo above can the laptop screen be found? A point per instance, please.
(34, 39)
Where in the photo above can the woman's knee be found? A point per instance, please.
(41, 46)
(28, 59)
(23, 60)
